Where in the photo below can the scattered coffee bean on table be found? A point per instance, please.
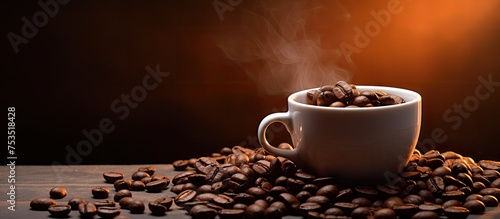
(74, 202)
(111, 177)
(42, 204)
(59, 210)
(100, 192)
(58, 192)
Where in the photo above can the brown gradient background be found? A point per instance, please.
(66, 77)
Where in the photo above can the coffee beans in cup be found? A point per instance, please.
(343, 94)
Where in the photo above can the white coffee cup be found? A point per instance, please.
(351, 144)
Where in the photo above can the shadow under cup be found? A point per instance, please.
(362, 145)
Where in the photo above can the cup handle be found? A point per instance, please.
(286, 120)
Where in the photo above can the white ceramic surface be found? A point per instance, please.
(351, 144)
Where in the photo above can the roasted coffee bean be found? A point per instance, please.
(366, 191)
(406, 210)
(161, 177)
(302, 196)
(388, 190)
(122, 184)
(122, 194)
(192, 162)
(385, 213)
(361, 101)
(273, 213)
(204, 189)
(425, 215)
(59, 210)
(232, 214)
(223, 201)
(361, 213)
(466, 190)
(311, 188)
(473, 197)
(280, 205)
(100, 192)
(42, 204)
(491, 191)
(156, 186)
(491, 175)
(450, 203)
(345, 195)
(255, 211)
(323, 201)
(261, 202)
(136, 207)
(306, 207)
(225, 151)
(138, 175)
(392, 202)
(435, 184)
(257, 192)
(125, 202)
(362, 202)
(451, 188)
(58, 192)
(87, 210)
(285, 146)
(390, 99)
(240, 206)
(157, 208)
(490, 164)
(489, 201)
(180, 165)
(329, 191)
(182, 177)
(338, 104)
(464, 178)
(475, 206)
(281, 181)
(104, 203)
(431, 207)
(377, 204)
(343, 91)
(457, 195)
(294, 185)
(244, 198)
(325, 98)
(108, 212)
(276, 190)
(495, 184)
(346, 207)
(137, 186)
(148, 169)
(413, 199)
(481, 179)
(74, 202)
(456, 212)
(291, 202)
(146, 180)
(262, 167)
(334, 211)
(202, 212)
(185, 196)
(203, 162)
(188, 205)
(111, 177)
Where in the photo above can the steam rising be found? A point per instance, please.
(277, 49)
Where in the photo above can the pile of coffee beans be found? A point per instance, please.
(343, 94)
(242, 183)
(239, 182)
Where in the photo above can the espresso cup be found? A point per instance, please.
(365, 144)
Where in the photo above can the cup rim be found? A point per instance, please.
(292, 98)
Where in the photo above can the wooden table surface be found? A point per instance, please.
(36, 181)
